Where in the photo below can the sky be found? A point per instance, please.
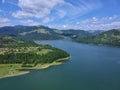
(61, 14)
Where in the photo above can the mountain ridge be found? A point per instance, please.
(111, 37)
(41, 32)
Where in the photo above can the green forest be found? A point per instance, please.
(111, 38)
(27, 53)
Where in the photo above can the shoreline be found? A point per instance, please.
(27, 70)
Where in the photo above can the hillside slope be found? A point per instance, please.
(41, 33)
(111, 37)
(30, 32)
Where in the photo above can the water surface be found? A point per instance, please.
(90, 68)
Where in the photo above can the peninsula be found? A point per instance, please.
(19, 56)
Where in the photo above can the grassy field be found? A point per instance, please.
(8, 70)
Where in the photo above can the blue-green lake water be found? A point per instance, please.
(90, 68)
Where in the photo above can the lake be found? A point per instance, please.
(90, 68)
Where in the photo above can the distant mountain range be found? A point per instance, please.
(75, 33)
(111, 37)
(98, 37)
(41, 33)
(31, 32)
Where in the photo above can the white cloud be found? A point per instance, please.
(35, 8)
(46, 20)
(65, 26)
(61, 13)
(106, 26)
(4, 22)
(29, 22)
(78, 8)
(43, 8)
(104, 23)
(69, 11)
(3, 1)
(109, 25)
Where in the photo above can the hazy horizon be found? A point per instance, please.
(61, 28)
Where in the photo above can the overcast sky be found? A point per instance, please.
(62, 14)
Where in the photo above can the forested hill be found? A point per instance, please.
(31, 32)
(7, 41)
(41, 33)
(111, 37)
(27, 53)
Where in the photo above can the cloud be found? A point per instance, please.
(95, 20)
(35, 8)
(61, 13)
(44, 8)
(103, 23)
(94, 23)
(3, 1)
(4, 22)
(46, 20)
(29, 22)
(106, 26)
(65, 26)
(12, 3)
(70, 10)
(78, 8)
